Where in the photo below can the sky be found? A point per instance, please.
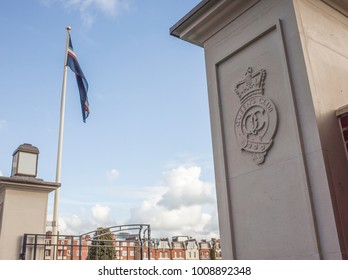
(144, 154)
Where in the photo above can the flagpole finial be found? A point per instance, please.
(68, 28)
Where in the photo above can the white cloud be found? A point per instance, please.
(100, 214)
(185, 188)
(113, 174)
(89, 9)
(111, 7)
(181, 204)
(74, 225)
(1, 174)
(184, 221)
(187, 206)
(3, 124)
(188, 159)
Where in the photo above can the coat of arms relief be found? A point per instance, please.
(256, 119)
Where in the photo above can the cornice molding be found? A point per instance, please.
(207, 18)
(27, 183)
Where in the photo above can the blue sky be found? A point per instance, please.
(145, 154)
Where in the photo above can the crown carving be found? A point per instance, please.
(252, 84)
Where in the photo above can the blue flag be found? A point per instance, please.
(82, 84)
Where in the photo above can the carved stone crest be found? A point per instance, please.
(256, 119)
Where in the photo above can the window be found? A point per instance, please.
(124, 253)
(131, 253)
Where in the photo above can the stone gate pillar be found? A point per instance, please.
(277, 72)
(23, 202)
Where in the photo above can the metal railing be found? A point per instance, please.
(126, 242)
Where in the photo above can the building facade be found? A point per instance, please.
(179, 248)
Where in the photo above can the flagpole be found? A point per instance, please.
(59, 153)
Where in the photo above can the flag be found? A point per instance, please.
(82, 84)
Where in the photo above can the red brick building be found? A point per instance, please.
(68, 247)
(130, 248)
(204, 249)
(178, 251)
